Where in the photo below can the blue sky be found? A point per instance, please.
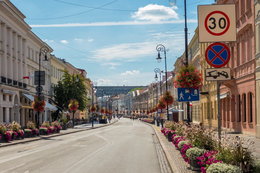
(113, 40)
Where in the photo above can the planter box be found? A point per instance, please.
(194, 165)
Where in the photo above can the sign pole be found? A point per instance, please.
(219, 111)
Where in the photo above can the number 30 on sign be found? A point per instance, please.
(217, 23)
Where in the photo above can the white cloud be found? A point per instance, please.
(141, 79)
(111, 65)
(48, 41)
(64, 41)
(125, 51)
(168, 35)
(120, 23)
(90, 40)
(128, 73)
(154, 12)
(102, 82)
(80, 40)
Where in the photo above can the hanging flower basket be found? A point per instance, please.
(38, 105)
(161, 105)
(73, 105)
(188, 77)
(92, 108)
(167, 98)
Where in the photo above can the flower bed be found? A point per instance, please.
(148, 120)
(200, 148)
(13, 131)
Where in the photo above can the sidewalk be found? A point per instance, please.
(78, 128)
(176, 162)
(256, 147)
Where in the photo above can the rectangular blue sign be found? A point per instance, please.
(188, 94)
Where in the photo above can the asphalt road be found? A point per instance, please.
(125, 147)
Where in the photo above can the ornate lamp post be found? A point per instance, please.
(161, 48)
(43, 51)
(92, 104)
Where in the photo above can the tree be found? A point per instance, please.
(71, 87)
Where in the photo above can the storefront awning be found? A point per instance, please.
(175, 110)
(28, 96)
(51, 107)
(47, 106)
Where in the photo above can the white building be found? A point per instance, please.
(19, 57)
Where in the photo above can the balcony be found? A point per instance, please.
(9, 81)
(20, 84)
(24, 85)
(15, 83)
(3, 79)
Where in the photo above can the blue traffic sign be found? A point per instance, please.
(188, 94)
(217, 55)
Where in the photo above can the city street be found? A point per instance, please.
(125, 147)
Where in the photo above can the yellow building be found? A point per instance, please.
(208, 101)
(58, 67)
(194, 59)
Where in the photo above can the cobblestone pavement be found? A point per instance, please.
(164, 164)
(175, 160)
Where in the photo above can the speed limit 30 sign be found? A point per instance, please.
(217, 23)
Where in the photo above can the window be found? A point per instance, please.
(4, 97)
(239, 109)
(250, 107)
(248, 5)
(4, 112)
(10, 98)
(244, 107)
(238, 54)
(242, 5)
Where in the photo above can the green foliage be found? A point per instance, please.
(15, 126)
(226, 155)
(256, 166)
(181, 143)
(2, 129)
(134, 89)
(201, 137)
(194, 152)
(223, 168)
(71, 87)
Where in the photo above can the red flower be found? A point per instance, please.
(161, 105)
(167, 98)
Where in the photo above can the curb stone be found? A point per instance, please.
(26, 140)
(174, 158)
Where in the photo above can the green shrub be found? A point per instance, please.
(223, 168)
(194, 152)
(180, 145)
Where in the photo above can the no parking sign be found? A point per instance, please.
(217, 55)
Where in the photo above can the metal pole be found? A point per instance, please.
(186, 53)
(39, 91)
(166, 78)
(92, 119)
(219, 111)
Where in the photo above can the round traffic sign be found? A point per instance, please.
(39, 89)
(217, 55)
(217, 23)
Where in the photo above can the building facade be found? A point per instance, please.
(257, 56)
(19, 57)
(239, 94)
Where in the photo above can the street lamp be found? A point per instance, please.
(92, 115)
(43, 51)
(158, 71)
(161, 48)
